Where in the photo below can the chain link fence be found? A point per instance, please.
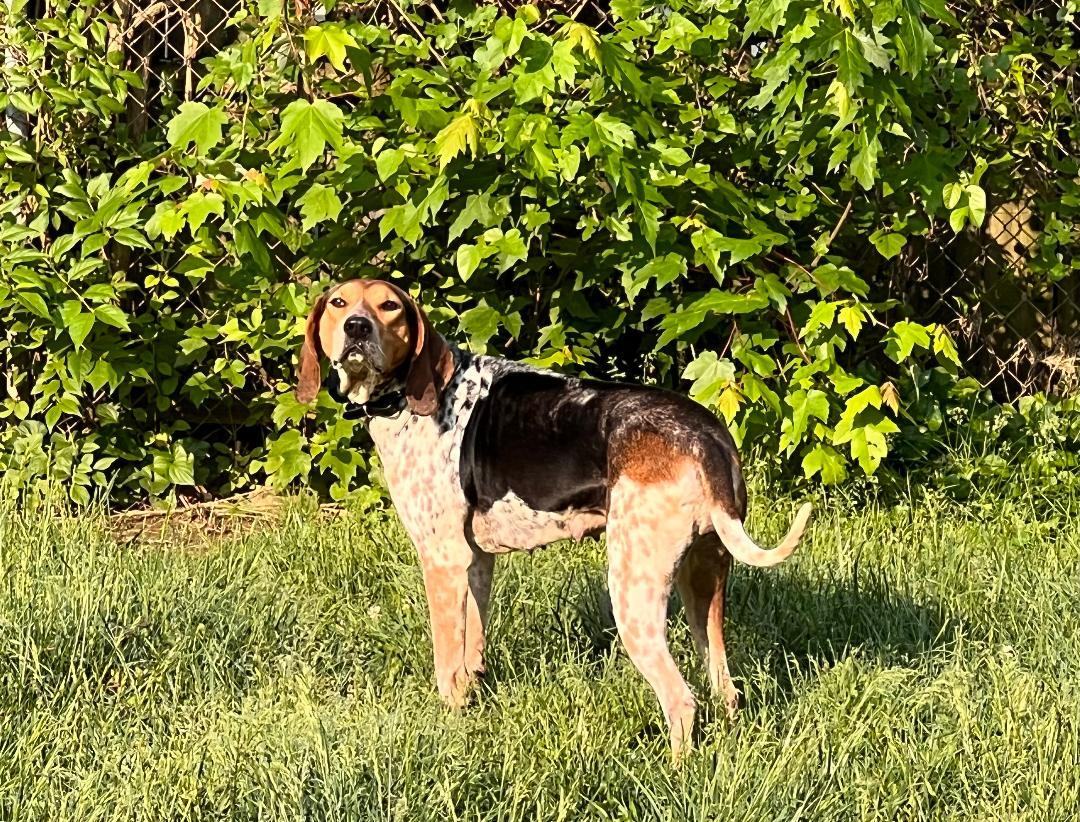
(1018, 332)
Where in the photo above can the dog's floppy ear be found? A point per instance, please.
(309, 376)
(431, 364)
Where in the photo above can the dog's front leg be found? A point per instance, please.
(458, 580)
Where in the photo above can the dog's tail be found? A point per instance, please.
(737, 541)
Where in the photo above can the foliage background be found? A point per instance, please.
(708, 191)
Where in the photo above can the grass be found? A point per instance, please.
(917, 661)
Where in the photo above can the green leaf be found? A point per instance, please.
(851, 66)
(131, 238)
(888, 243)
(869, 397)
(649, 222)
(477, 210)
(78, 327)
(462, 132)
(822, 316)
(287, 458)
(404, 220)
(101, 373)
(288, 410)
(944, 346)
(388, 162)
(166, 221)
(307, 128)
(580, 36)
(711, 244)
(805, 405)
(869, 447)
(196, 123)
(903, 338)
(675, 156)
(33, 302)
(199, 205)
(951, 194)
(480, 324)
(68, 404)
(841, 98)
(765, 15)
(623, 72)
(181, 470)
(328, 39)
(248, 242)
(52, 416)
(79, 494)
(864, 166)
(319, 203)
(852, 317)
(827, 461)
(511, 249)
(680, 33)
(729, 402)
(613, 131)
(976, 204)
(710, 375)
(112, 315)
(755, 389)
(665, 270)
(914, 40)
(958, 218)
(16, 153)
(873, 51)
(469, 257)
(726, 302)
(569, 163)
(940, 11)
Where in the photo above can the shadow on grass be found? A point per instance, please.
(789, 623)
(795, 624)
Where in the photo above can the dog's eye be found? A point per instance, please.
(337, 302)
(390, 305)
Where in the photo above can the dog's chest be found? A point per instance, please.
(421, 458)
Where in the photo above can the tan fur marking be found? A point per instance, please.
(367, 297)
(648, 457)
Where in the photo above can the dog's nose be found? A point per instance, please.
(358, 327)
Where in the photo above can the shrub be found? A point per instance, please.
(706, 190)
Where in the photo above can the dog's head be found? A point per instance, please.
(376, 338)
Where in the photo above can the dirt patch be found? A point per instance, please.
(196, 526)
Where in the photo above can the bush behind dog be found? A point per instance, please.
(715, 193)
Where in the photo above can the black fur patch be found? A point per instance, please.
(552, 440)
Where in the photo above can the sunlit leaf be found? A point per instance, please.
(460, 134)
(196, 123)
(329, 40)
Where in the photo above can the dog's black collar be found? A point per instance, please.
(388, 405)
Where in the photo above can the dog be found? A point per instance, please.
(483, 455)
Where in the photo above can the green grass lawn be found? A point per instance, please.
(920, 661)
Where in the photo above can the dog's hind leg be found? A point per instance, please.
(702, 584)
(646, 536)
(476, 607)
